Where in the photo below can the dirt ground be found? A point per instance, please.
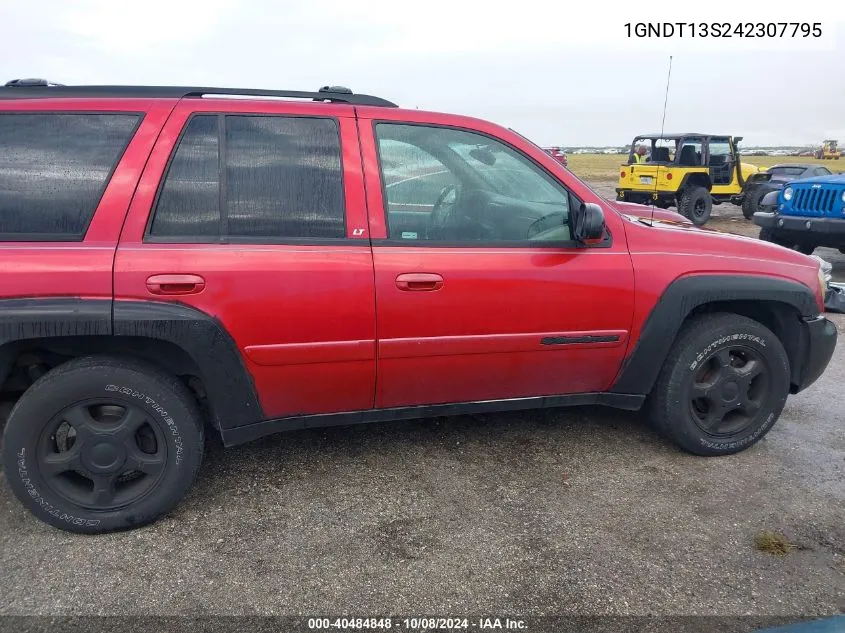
(568, 511)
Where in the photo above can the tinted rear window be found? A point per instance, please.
(54, 169)
(788, 171)
(281, 179)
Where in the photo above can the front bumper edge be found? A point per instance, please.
(821, 341)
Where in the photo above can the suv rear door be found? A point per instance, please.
(251, 213)
(481, 295)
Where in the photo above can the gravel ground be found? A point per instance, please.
(568, 511)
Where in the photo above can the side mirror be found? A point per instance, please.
(588, 222)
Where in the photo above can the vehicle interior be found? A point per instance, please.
(659, 150)
(448, 185)
(721, 160)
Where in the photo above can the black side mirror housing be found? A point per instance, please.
(588, 223)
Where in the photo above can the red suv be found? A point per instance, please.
(175, 260)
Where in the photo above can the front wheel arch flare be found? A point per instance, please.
(696, 293)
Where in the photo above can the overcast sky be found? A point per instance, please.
(558, 72)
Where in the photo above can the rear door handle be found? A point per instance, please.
(419, 281)
(175, 284)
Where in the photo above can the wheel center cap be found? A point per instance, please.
(730, 390)
(105, 457)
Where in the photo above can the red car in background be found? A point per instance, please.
(558, 154)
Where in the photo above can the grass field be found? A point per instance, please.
(605, 167)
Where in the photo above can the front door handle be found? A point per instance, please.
(419, 281)
(175, 284)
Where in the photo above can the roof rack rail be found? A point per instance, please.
(14, 83)
(41, 89)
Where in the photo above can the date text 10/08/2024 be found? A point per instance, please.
(418, 623)
(723, 29)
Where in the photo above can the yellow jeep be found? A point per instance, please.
(689, 171)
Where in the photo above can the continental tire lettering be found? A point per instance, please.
(155, 406)
(721, 341)
(45, 505)
(742, 441)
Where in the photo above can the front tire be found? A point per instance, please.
(696, 204)
(101, 444)
(753, 198)
(723, 385)
(767, 235)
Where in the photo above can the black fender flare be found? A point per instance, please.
(230, 390)
(685, 181)
(26, 319)
(642, 366)
(103, 326)
(756, 179)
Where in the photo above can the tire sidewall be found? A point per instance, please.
(761, 340)
(754, 198)
(176, 424)
(689, 199)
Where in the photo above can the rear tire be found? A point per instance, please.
(722, 387)
(101, 444)
(696, 204)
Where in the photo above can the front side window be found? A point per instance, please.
(253, 177)
(689, 154)
(720, 150)
(53, 170)
(445, 184)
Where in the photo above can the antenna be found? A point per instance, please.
(662, 124)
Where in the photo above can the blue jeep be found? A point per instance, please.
(805, 214)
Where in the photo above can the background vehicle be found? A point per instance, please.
(690, 171)
(558, 154)
(828, 151)
(178, 262)
(776, 177)
(805, 214)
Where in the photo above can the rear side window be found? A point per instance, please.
(54, 169)
(189, 202)
(244, 178)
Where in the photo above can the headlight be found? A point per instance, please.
(787, 193)
(825, 269)
(843, 196)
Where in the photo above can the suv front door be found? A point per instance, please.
(480, 292)
(722, 163)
